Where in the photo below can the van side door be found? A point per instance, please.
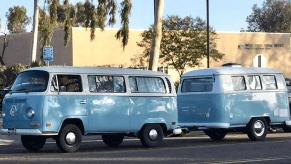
(107, 104)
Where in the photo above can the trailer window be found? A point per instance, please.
(197, 85)
(270, 82)
(254, 82)
(238, 83)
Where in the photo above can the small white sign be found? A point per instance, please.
(48, 53)
(260, 61)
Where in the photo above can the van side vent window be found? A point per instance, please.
(169, 85)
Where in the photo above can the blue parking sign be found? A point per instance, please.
(48, 53)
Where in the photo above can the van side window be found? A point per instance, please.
(106, 84)
(238, 83)
(270, 82)
(70, 83)
(254, 82)
(197, 85)
(147, 85)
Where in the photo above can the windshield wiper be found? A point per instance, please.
(21, 89)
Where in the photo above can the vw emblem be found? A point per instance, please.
(13, 110)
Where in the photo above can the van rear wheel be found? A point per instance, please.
(152, 135)
(257, 129)
(33, 143)
(69, 138)
(215, 134)
(112, 140)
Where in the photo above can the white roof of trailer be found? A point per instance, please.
(231, 71)
(97, 70)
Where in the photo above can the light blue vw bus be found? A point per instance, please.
(65, 103)
(230, 99)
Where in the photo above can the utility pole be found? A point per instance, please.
(207, 11)
(35, 32)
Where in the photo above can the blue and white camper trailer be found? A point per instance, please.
(226, 99)
(65, 103)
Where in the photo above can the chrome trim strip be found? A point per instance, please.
(207, 125)
(26, 132)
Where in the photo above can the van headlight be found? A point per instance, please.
(30, 113)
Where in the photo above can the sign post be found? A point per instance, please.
(48, 54)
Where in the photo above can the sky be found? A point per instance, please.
(224, 15)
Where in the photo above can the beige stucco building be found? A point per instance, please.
(271, 50)
(240, 47)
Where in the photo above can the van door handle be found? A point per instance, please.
(83, 102)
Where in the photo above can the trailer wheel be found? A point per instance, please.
(152, 135)
(112, 140)
(257, 129)
(69, 138)
(215, 134)
(33, 143)
(286, 128)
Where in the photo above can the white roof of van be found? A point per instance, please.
(231, 71)
(97, 70)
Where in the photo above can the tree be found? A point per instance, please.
(274, 16)
(157, 35)
(183, 43)
(17, 20)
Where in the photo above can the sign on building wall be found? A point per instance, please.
(260, 61)
(48, 53)
(259, 46)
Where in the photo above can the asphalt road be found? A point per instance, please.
(197, 148)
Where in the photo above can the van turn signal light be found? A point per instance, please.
(173, 123)
(48, 124)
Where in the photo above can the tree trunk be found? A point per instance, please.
(35, 32)
(157, 35)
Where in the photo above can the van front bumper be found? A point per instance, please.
(36, 132)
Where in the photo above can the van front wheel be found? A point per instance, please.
(257, 129)
(69, 138)
(33, 143)
(112, 140)
(152, 135)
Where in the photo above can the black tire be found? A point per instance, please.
(286, 128)
(112, 140)
(33, 143)
(69, 138)
(152, 135)
(257, 129)
(215, 134)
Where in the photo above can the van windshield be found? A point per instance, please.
(31, 81)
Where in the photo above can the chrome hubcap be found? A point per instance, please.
(153, 134)
(259, 128)
(70, 138)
